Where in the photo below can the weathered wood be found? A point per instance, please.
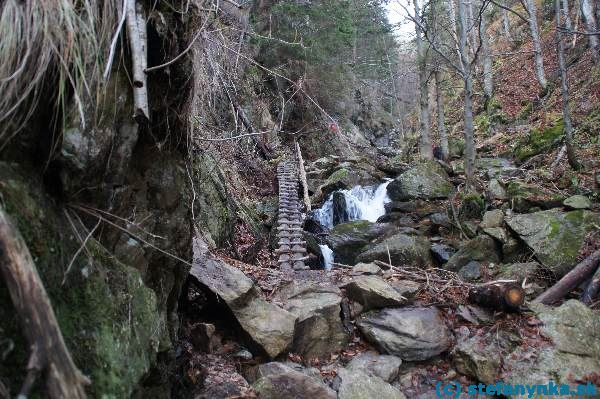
(500, 296)
(303, 177)
(138, 43)
(49, 355)
(578, 275)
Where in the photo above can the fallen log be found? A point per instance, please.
(49, 356)
(507, 296)
(593, 289)
(571, 280)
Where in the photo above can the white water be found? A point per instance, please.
(327, 256)
(362, 203)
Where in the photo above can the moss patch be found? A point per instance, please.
(539, 141)
(108, 317)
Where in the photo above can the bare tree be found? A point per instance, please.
(589, 21)
(425, 147)
(537, 45)
(465, 68)
(441, 122)
(488, 78)
(564, 90)
(567, 14)
(506, 23)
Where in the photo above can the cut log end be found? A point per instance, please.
(498, 296)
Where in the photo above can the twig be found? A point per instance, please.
(113, 44)
(188, 48)
(83, 244)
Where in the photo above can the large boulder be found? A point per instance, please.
(373, 292)
(279, 381)
(354, 384)
(554, 236)
(403, 249)
(481, 248)
(411, 333)
(319, 330)
(348, 240)
(268, 326)
(573, 355)
(427, 180)
(383, 366)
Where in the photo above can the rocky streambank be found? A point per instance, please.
(393, 318)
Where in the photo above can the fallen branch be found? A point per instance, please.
(571, 280)
(49, 355)
(138, 43)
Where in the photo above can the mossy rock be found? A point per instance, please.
(215, 214)
(554, 236)
(481, 248)
(426, 180)
(539, 141)
(108, 317)
(456, 147)
(472, 206)
(348, 240)
(524, 197)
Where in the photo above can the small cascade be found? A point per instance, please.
(327, 256)
(362, 203)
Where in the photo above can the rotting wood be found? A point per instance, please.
(138, 43)
(49, 355)
(571, 280)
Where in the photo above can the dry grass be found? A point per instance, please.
(49, 51)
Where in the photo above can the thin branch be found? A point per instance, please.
(113, 44)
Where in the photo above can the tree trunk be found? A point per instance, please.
(537, 46)
(468, 92)
(498, 296)
(564, 91)
(506, 24)
(425, 147)
(488, 78)
(49, 356)
(567, 14)
(571, 280)
(138, 43)
(589, 21)
(441, 122)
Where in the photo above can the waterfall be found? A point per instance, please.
(327, 256)
(362, 203)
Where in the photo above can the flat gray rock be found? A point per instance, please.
(355, 384)
(413, 334)
(373, 292)
(383, 366)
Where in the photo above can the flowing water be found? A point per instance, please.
(327, 256)
(362, 203)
